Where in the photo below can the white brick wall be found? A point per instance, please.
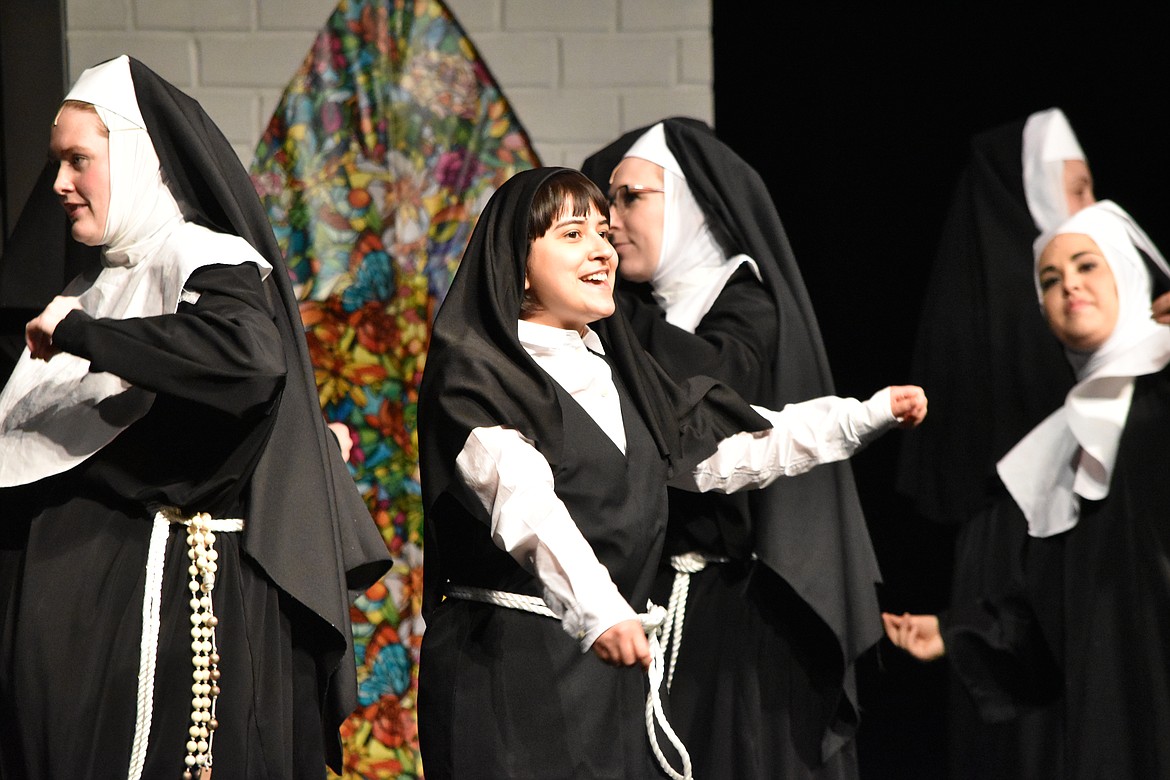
(578, 72)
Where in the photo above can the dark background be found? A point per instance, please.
(859, 122)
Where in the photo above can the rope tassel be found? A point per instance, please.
(653, 623)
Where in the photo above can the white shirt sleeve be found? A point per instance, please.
(802, 436)
(514, 483)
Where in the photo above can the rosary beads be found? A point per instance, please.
(204, 652)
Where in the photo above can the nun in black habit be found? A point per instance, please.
(1086, 625)
(787, 601)
(180, 538)
(548, 437)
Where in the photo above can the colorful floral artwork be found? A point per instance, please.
(378, 159)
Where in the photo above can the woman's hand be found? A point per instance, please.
(1161, 309)
(918, 635)
(623, 644)
(344, 440)
(908, 405)
(38, 333)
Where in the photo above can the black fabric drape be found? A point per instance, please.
(303, 497)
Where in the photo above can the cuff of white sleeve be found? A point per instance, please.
(605, 612)
(878, 416)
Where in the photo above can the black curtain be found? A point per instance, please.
(32, 82)
(858, 118)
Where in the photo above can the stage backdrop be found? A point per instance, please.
(379, 157)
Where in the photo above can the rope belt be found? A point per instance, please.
(652, 623)
(684, 566)
(201, 530)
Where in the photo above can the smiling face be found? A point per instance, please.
(636, 216)
(80, 144)
(1079, 291)
(571, 271)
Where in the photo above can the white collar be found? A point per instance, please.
(545, 338)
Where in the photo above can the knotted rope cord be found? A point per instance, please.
(652, 623)
(148, 644)
(151, 622)
(684, 566)
(652, 620)
(501, 598)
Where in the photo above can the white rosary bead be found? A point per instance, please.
(203, 568)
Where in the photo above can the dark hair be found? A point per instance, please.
(562, 187)
(567, 186)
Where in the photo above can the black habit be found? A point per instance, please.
(504, 693)
(235, 430)
(784, 636)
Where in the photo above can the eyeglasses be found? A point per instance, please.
(627, 195)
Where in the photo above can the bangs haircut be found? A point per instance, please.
(567, 186)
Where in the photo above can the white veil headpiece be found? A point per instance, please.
(55, 414)
(1048, 141)
(692, 268)
(1071, 454)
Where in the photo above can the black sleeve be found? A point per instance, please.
(996, 633)
(998, 651)
(734, 342)
(223, 351)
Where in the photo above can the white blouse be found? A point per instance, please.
(528, 520)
